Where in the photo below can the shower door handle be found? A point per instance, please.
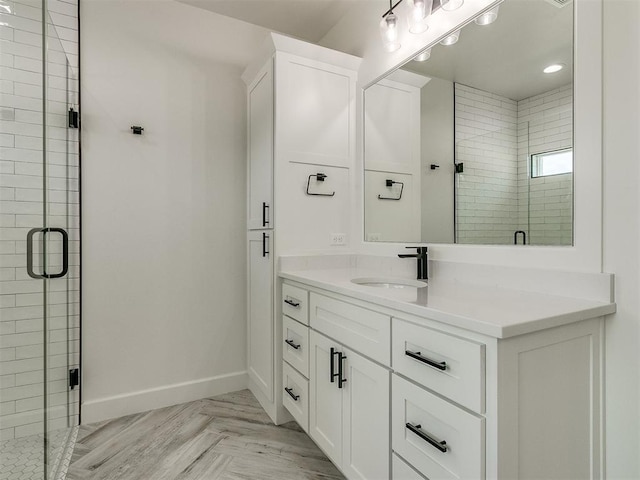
(65, 253)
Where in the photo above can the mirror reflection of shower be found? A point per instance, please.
(479, 134)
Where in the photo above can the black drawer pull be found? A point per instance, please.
(291, 344)
(420, 358)
(291, 394)
(442, 446)
(265, 207)
(341, 381)
(341, 357)
(292, 303)
(265, 243)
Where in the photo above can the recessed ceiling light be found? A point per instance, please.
(489, 17)
(556, 67)
(451, 39)
(424, 56)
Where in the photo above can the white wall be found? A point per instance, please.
(436, 146)
(622, 234)
(164, 272)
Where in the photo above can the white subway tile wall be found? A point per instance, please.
(495, 137)
(487, 144)
(22, 313)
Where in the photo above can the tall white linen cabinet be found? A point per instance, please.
(301, 104)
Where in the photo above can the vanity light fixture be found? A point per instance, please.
(450, 5)
(419, 10)
(489, 17)
(389, 29)
(424, 56)
(451, 39)
(556, 67)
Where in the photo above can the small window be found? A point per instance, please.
(552, 163)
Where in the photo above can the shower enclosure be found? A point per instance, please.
(514, 181)
(39, 237)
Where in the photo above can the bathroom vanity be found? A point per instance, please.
(451, 380)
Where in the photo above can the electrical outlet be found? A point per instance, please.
(338, 239)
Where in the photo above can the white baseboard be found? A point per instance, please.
(159, 397)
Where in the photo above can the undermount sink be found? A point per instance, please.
(389, 282)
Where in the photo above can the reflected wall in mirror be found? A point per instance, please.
(474, 145)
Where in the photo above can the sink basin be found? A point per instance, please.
(389, 282)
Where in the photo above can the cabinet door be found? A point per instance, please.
(260, 150)
(260, 312)
(315, 116)
(365, 414)
(325, 398)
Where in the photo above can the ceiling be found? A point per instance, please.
(507, 57)
(308, 20)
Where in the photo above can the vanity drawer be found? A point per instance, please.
(449, 365)
(402, 470)
(364, 330)
(295, 395)
(295, 302)
(435, 420)
(295, 348)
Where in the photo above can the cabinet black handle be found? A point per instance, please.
(341, 381)
(65, 253)
(442, 446)
(332, 365)
(291, 394)
(292, 303)
(265, 207)
(291, 344)
(428, 361)
(265, 242)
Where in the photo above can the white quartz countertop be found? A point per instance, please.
(494, 311)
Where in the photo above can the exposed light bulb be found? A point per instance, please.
(419, 10)
(389, 32)
(489, 17)
(424, 56)
(449, 5)
(451, 39)
(556, 67)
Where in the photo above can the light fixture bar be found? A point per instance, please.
(436, 5)
(391, 8)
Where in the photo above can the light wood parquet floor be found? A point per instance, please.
(228, 437)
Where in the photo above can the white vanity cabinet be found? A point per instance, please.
(301, 129)
(260, 325)
(396, 395)
(349, 409)
(260, 150)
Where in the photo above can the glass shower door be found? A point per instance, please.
(39, 244)
(61, 256)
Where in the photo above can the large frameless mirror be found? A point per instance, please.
(472, 140)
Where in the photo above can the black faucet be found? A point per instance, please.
(421, 256)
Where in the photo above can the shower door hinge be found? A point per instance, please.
(74, 378)
(74, 118)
